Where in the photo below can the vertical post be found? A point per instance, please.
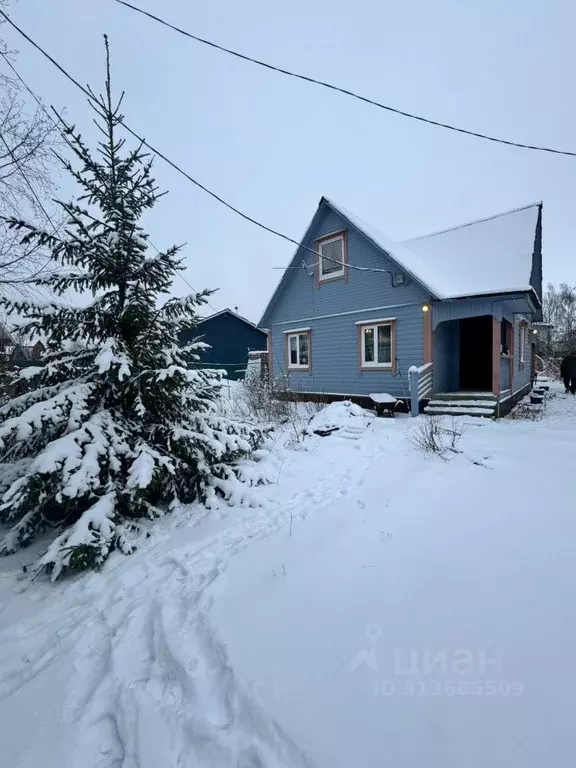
(496, 347)
(413, 381)
(269, 365)
(428, 336)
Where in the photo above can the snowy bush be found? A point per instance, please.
(114, 426)
(433, 434)
(340, 416)
(262, 400)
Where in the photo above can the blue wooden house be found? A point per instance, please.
(458, 305)
(231, 337)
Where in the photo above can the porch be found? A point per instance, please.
(479, 352)
(475, 342)
(469, 355)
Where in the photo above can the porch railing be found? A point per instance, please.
(421, 384)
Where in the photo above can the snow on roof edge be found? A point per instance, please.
(230, 311)
(520, 289)
(475, 221)
(397, 251)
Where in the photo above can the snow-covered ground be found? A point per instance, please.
(381, 607)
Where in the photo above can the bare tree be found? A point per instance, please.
(27, 164)
(559, 309)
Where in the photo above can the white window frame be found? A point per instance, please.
(522, 341)
(374, 327)
(296, 334)
(333, 273)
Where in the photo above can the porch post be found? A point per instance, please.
(414, 401)
(428, 336)
(496, 346)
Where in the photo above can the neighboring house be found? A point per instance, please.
(13, 353)
(231, 337)
(459, 303)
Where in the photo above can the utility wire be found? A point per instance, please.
(184, 173)
(59, 129)
(345, 91)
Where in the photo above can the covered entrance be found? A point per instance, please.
(475, 348)
(463, 355)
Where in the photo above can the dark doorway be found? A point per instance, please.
(476, 353)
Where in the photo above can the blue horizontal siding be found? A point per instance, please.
(302, 298)
(334, 339)
(521, 371)
(334, 354)
(504, 374)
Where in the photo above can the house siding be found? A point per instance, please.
(302, 298)
(447, 357)
(230, 340)
(331, 311)
(536, 275)
(504, 374)
(522, 371)
(334, 354)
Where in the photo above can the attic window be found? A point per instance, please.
(333, 256)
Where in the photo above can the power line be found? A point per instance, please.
(51, 118)
(345, 91)
(30, 91)
(184, 173)
(181, 276)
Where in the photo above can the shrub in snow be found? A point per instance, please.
(115, 426)
(433, 434)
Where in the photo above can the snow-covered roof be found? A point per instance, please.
(410, 261)
(487, 256)
(484, 257)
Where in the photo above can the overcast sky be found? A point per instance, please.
(273, 145)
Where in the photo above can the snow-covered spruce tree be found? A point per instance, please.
(115, 426)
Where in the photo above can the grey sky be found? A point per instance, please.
(273, 146)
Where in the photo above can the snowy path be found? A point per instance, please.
(228, 642)
(149, 680)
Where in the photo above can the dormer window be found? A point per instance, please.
(333, 256)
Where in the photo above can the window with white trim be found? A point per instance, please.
(298, 350)
(522, 341)
(376, 342)
(332, 257)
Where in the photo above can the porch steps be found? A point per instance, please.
(462, 404)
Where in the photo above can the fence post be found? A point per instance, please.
(413, 381)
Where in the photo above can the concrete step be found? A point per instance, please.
(476, 403)
(448, 411)
(465, 396)
(462, 404)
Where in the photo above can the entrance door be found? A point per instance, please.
(476, 354)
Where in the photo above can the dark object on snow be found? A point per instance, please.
(568, 372)
(536, 399)
(382, 408)
(384, 403)
(325, 432)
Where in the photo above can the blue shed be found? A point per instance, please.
(231, 337)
